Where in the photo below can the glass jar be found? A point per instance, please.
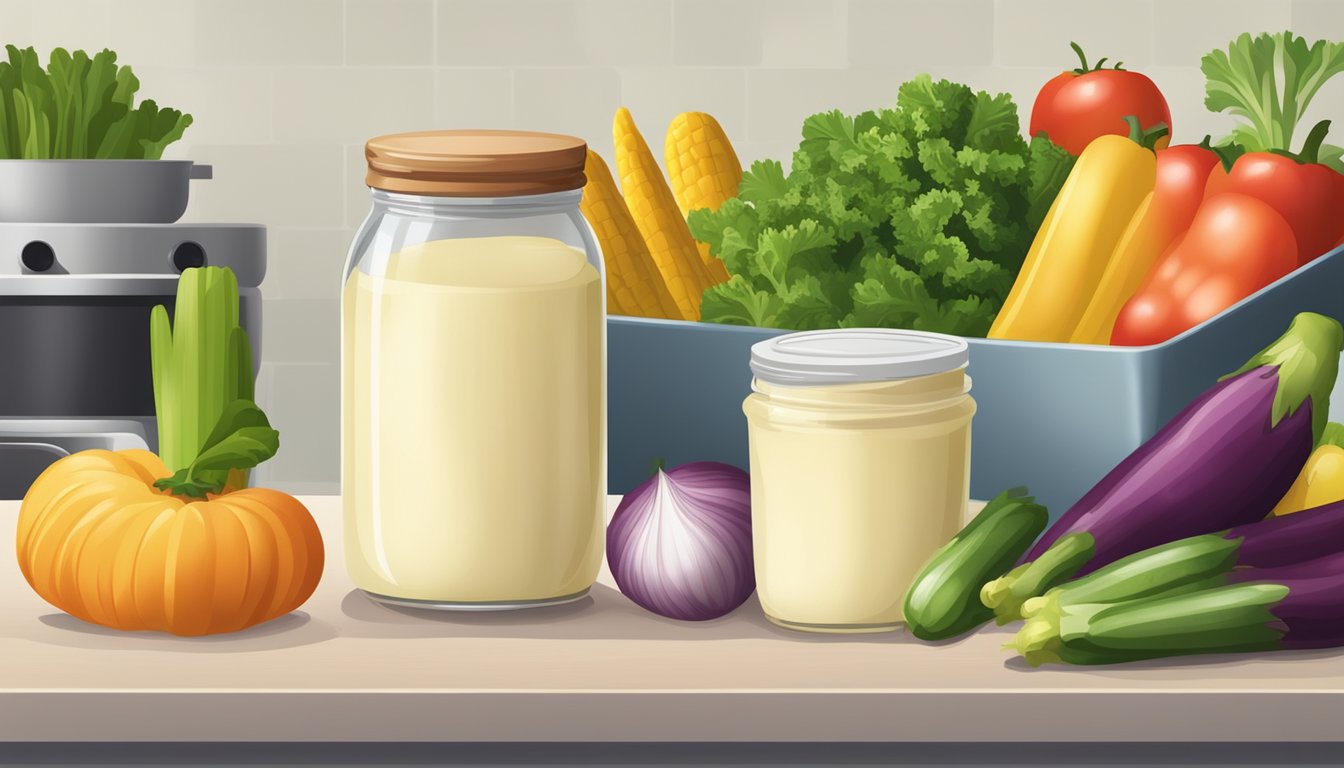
(474, 375)
(860, 469)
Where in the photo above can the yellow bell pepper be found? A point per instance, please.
(1320, 482)
(1112, 178)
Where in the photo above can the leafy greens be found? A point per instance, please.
(1245, 79)
(913, 217)
(79, 107)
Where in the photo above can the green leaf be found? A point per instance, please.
(242, 439)
(940, 188)
(994, 124)
(79, 107)
(737, 303)
(1245, 81)
(1332, 157)
(1047, 168)
(777, 250)
(764, 181)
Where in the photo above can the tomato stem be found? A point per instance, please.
(1311, 148)
(1078, 49)
(1082, 59)
(1145, 138)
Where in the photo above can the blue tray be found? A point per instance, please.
(1054, 417)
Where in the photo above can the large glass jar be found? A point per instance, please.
(473, 375)
(860, 469)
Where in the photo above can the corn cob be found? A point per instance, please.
(634, 285)
(704, 171)
(660, 223)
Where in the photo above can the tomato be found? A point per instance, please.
(1235, 246)
(1306, 194)
(1079, 105)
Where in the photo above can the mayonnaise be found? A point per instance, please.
(474, 424)
(860, 470)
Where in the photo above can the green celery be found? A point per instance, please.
(201, 364)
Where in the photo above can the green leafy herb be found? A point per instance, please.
(1245, 81)
(79, 107)
(241, 439)
(915, 217)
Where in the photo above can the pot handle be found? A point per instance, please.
(199, 171)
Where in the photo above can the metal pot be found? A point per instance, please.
(96, 191)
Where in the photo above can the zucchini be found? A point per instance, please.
(944, 599)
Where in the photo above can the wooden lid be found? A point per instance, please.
(475, 163)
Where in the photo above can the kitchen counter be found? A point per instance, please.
(602, 670)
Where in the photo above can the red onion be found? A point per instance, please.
(680, 544)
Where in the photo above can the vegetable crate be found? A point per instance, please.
(1053, 417)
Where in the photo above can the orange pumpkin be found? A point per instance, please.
(98, 540)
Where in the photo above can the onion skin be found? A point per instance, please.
(679, 545)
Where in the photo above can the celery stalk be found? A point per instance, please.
(201, 363)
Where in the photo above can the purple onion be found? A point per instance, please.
(680, 544)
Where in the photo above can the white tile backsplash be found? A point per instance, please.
(473, 97)
(888, 33)
(1038, 32)
(575, 100)
(321, 105)
(285, 92)
(509, 32)
(804, 33)
(251, 33)
(70, 24)
(717, 33)
(1192, 28)
(389, 32)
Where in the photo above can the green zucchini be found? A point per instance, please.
(944, 599)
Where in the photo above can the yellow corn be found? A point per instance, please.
(660, 223)
(634, 285)
(704, 171)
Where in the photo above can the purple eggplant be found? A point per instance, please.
(1223, 461)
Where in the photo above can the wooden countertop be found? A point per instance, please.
(603, 670)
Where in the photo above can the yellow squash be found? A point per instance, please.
(1320, 482)
(704, 171)
(634, 285)
(1075, 243)
(659, 221)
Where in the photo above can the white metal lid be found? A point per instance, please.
(840, 356)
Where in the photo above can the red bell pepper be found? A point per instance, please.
(1236, 245)
(1308, 195)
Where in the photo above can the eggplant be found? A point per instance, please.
(1223, 461)
(1294, 606)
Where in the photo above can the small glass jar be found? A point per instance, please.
(860, 469)
(473, 375)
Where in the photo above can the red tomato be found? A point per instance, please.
(1306, 195)
(1235, 246)
(1077, 106)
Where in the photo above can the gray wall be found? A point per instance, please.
(285, 91)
